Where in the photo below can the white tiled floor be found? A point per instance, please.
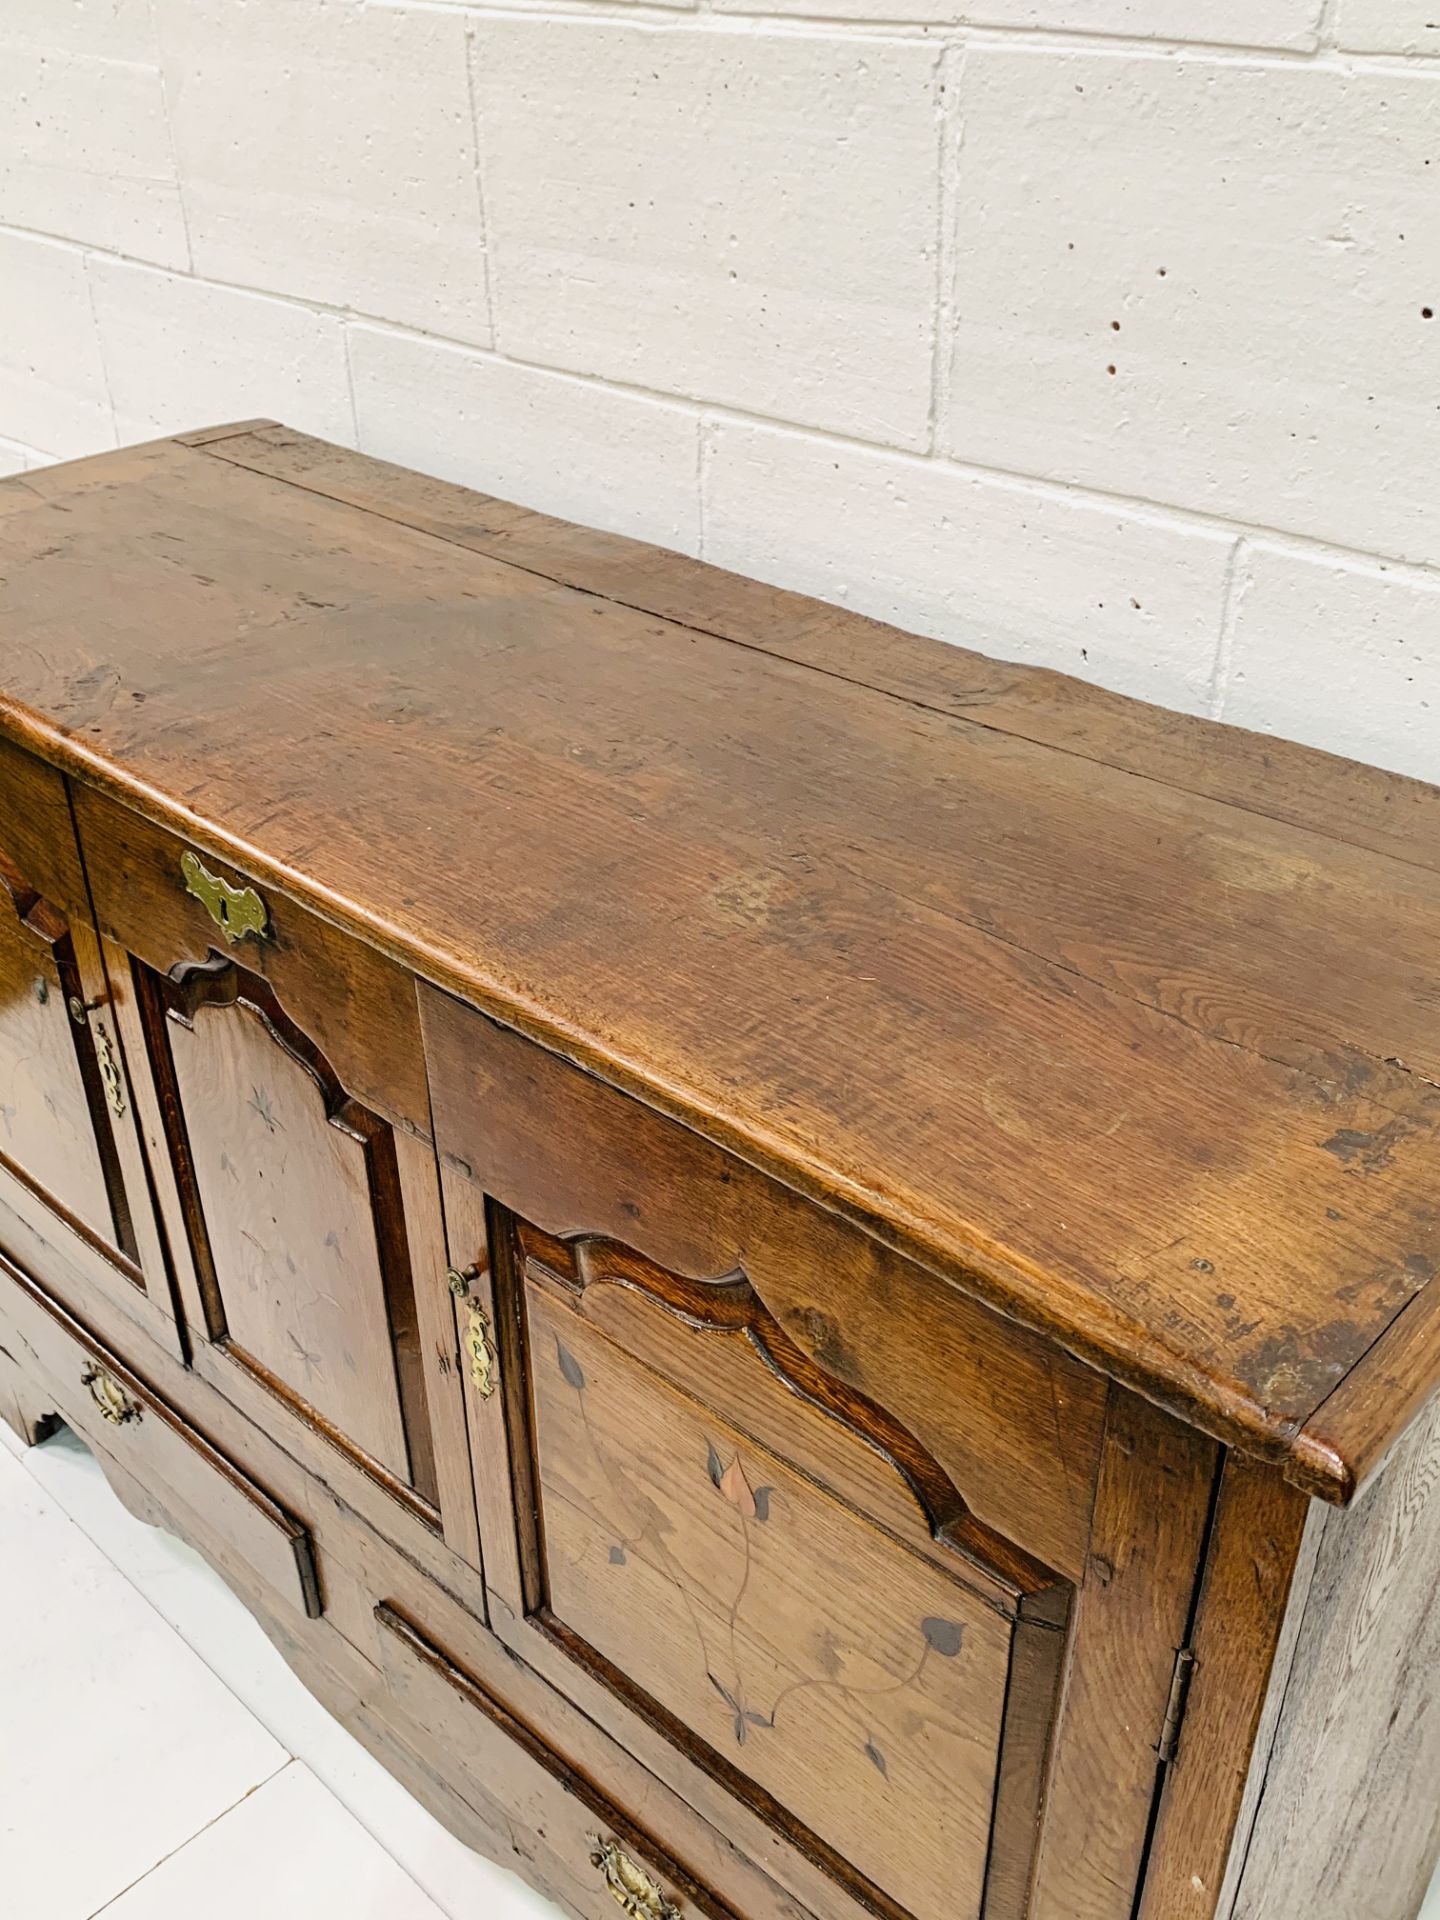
(159, 1760)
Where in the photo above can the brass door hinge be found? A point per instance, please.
(1175, 1706)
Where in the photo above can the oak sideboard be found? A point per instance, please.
(794, 1268)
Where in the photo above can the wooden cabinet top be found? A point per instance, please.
(1126, 1022)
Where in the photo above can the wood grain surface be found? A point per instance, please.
(1124, 1025)
(1277, 778)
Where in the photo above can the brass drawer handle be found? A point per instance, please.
(110, 1397)
(630, 1886)
(238, 911)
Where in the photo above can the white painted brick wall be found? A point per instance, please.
(223, 352)
(1365, 633)
(829, 291)
(53, 392)
(326, 150)
(16, 459)
(1203, 282)
(1388, 26)
(744, 219)
(1025, 572)
(551, 440)
(85, 149)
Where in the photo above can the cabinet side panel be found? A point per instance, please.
(1349, 1820)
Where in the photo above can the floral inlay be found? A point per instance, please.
(643, 1536)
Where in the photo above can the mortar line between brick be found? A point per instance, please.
(703, 15)
(949, 67)
(661, 16)
(470, 56)
(42, 454)
(1137, 506)
(1230, 597)
(1081, 40)
(704, 443)
(350, 384)
(85, 258)
(161, 76)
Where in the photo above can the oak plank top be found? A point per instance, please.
(1126, 1022)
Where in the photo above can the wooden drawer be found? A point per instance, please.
(209, 1499)
(595, 1854)
(815, 1519)
(282, 1091)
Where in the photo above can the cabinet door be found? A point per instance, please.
(801, 1521)
(70, 1162)
(294, 1168)
(297, 1219)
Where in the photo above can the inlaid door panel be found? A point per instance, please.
(769, 1571)
(296, 1218)
(69, 1154)
(843, 1676)
(52, 1101)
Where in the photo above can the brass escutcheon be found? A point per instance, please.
(482, 1354)
(110, 1397)
(110, 1070)
(478, 1344)
(239, 912)
(630, 1886)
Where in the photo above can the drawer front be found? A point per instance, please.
(596, 1856)
(760, 1467)
(172, 903)
(281, 1064)
(209, 1499)
(67, 1129)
